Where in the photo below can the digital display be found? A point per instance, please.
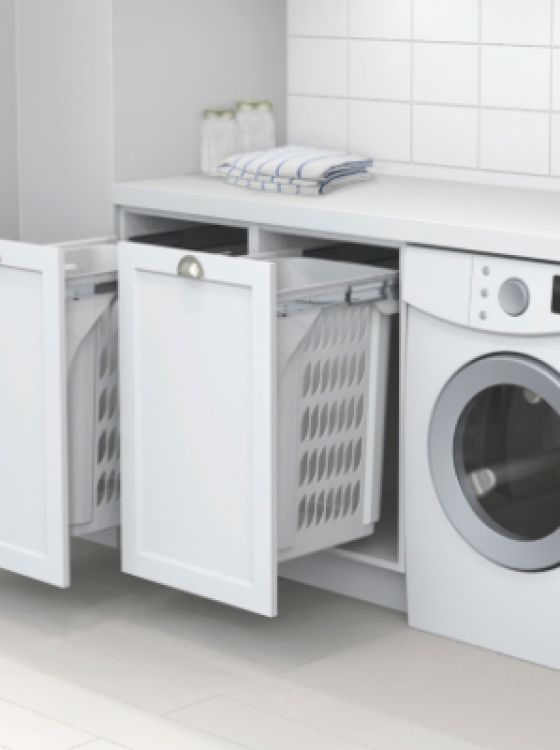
(555, 305)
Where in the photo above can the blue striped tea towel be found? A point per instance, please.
(296, 170)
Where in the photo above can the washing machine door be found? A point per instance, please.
(494, 450)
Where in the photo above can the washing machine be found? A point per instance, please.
(481, 450)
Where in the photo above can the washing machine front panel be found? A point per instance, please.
(494, 453)
(453, 588)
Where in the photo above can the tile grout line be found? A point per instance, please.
(168, 714)
(472, 170)
(347, 75)
(427, 103)
(290, 720)
(412, 102)
(404, 39)
(85, 745)
(63, 723)
(479, 91)
(209, 732)
(551, 102)
(350, 701)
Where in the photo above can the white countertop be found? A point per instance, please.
(508, 221)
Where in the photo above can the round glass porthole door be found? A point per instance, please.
(495, 459)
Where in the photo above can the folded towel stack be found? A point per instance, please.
(295, 170)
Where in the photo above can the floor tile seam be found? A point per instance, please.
(298, 722)
(119, 704)
(169, 714)
(399, 717)
(208, 732)
(54, 719)
(85, 745)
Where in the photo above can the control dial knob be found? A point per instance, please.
(514, 297)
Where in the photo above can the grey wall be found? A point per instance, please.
(8, 124)
(114, 89)
(174, 58)
(66, 129)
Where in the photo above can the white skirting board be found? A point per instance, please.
(328, 571)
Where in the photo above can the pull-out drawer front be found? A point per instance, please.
(198, 417)
(33, 497)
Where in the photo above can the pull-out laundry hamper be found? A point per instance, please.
(93, 399)
(333, 338)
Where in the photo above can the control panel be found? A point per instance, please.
(514, 296)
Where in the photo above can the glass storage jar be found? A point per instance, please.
(218, 139)
(256, 126)
(266, 137)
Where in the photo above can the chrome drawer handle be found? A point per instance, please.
(190, 268)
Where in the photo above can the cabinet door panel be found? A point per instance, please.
(33, 494)
(198, 393)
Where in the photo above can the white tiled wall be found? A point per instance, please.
(435, 87)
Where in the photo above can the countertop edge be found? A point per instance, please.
(346, 224)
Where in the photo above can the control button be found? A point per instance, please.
(514, 297)
(555, 302)
(486, 270)
(483, 315)
(484, 293)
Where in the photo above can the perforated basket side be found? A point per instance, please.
(329, 433)
(103, 444)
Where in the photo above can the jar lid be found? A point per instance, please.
(219, 114)
(247, 106)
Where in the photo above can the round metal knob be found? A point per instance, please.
(514, 297)
(190, 268)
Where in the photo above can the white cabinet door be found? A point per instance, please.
(198, 412)
(33, 495)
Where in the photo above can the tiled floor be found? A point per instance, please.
(116, 662)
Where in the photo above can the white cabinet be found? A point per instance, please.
(217, 486)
